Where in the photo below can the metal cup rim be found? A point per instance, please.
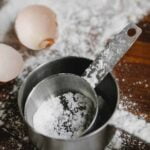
(21, 90)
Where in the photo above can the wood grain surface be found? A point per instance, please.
(133, 74)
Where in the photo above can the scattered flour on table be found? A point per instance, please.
(132, 124)
(65, 116)
(116, 142)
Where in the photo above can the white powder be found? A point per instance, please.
(132, 124)
(66, 116)
(85, 27)
(146, 85)
(116, 142)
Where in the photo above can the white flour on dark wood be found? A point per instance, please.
(65, 116)
(135, 125)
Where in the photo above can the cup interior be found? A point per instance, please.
(56, 85)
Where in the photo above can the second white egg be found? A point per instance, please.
(11, 63)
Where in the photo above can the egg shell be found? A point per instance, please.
(11, 63)
(36, 27)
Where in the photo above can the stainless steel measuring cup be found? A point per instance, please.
(101, 134)
(96, 72)
(123, 45)
(57, 85)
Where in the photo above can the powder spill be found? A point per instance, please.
(65, 116)
(132, 124)
(116, 142)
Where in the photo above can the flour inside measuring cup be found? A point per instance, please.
(65, 116)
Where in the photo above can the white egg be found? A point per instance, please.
(11, 63)
(36, 27)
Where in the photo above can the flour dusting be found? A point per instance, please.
(65, 116)
(116, 142)
(132, 124)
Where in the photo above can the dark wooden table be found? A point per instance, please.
(133, 74)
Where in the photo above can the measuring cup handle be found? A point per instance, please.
(107, 59)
